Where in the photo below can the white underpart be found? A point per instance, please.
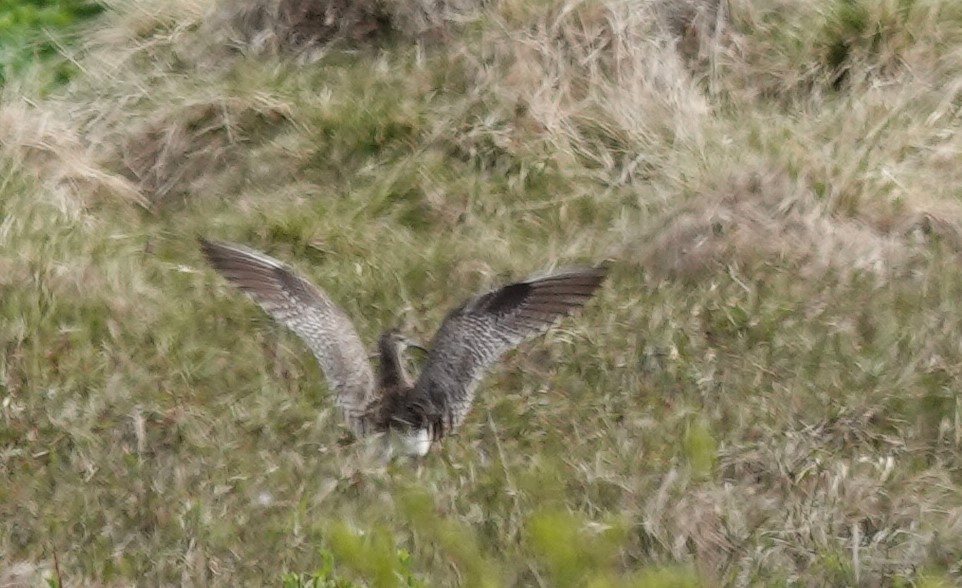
(416, 443)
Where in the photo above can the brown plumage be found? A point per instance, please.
(471, 338)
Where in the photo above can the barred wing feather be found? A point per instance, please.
(475, 335)
(308, 311)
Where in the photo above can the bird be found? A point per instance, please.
(472, 337)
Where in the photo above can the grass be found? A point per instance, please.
(32, 30)
(764, 393)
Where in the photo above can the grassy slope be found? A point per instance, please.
(766, 392)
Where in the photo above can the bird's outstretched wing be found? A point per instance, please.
(308, 311)
(475, 335)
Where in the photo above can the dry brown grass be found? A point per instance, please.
(50, 150)
(601, 84)
(21, 575)
(306, 26)
(765, 216)
(174, 151)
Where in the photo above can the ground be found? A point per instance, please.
(765, 392)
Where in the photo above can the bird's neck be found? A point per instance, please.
(393, 374)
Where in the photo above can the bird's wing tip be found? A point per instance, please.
(603, 267)
(209, 246)
(219, 249)
(599, 270)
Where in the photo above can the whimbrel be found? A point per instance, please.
(472, 337)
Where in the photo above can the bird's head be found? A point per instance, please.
(393, 343)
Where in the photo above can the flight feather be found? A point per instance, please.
(307, 310)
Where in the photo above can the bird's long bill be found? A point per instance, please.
(407, 343)
(416, 345)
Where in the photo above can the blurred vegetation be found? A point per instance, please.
(395, 570)
(34, 30)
